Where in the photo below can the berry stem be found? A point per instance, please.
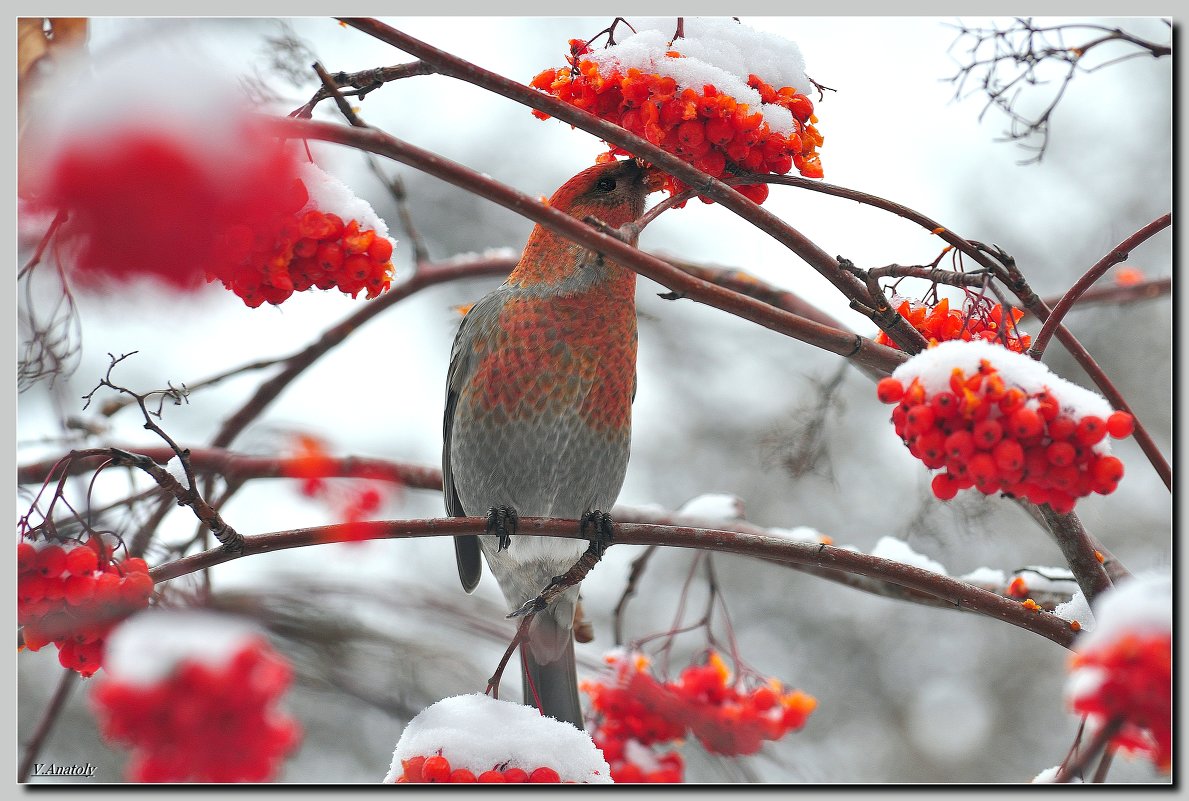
(46, 725)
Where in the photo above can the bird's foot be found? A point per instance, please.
(598, 526)
(502, 521)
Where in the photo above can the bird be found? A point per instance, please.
(537, 419)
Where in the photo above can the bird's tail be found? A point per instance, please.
(552, 685)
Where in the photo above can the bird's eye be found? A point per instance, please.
(605, 185)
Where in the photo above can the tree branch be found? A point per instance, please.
(958, 593)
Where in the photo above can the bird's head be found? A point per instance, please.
(614, 192)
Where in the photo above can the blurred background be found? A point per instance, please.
(378, 630)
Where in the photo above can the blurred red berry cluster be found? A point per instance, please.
(940, 323)
(70, 594)
(436, 769)
(995, 437)
(203, 722)
(352, 502)
(154, 204)
(708, 128)
(1135, 687)
(635, 713)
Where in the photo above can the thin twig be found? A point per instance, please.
(48, 718)
(1117, 255)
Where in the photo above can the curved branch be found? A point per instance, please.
(1117, 255)
(859, 349)
(956, 592)
(447, 64)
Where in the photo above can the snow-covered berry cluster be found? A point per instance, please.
(194, 695)
(723, 97)
(1121, 672)
(999, 421)
(325, 238)
(183, 187)
(70, 594)
(636, 713)
(474, 738)
(941, 323)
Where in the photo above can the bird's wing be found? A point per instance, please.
(466, 548)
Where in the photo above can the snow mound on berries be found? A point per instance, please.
(1139, 606)
(933, 367)
(477, 732)
(713, 506)
(900, 551)
(136, 89)
(329, 194)
(717, 51)
(147, 647)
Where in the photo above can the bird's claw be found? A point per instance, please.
(502, 521)
(599, 527)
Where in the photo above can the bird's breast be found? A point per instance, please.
(557, 356)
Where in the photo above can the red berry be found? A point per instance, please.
(1011, 401)
(945, 486)
(945, 405)
(959, 445)
(491, 777)
(930, 448)
(134, 564)
(1047, 406)
(889, 390)
(380, 250)
(1091, 430)
(1062, 427)
(50, 561)
(1108, 469)
(436, 769)
(1025, 423)
(1008, 455)
(1120, 425)
(461, 776)
(515, 776)
(1060, 454)
(920, 419)
(81, 561)
(983, 468)
(412, 768)
(79, 590)
(987, 433)
(544, 776)
(26, 556)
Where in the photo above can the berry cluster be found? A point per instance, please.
(989, 434)
(636, 712)
(203, 722)
(298, 249)
(353, 503)
(436, 769)
(1136, 686)
(940, 323)
(149, 204)
(72, 596)
(706, 127)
